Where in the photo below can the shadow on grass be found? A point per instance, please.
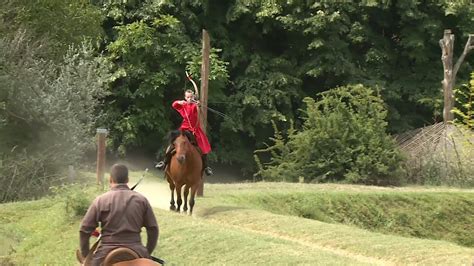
(218, 209)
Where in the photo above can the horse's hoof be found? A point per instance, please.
(172, 208)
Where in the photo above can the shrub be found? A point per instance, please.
(76, 197)
(343, 139)
(77, 203)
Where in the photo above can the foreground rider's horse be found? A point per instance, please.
(184, 169)
(121, 256)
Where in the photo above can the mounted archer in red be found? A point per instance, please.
(189, 111)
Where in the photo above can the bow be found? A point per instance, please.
(196, 91)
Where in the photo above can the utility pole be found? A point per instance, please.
(206, 47)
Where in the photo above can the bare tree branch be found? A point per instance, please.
(469, 46)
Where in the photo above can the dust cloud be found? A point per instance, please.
(156, 189)
(157, 193)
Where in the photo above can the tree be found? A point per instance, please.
(48, 111)
(450, 70)
(56, 23)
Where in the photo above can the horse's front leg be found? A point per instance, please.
(178, 196)
(194, 189)
(172, 187)
(186, 192)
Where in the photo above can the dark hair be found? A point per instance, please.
(189, 91)
(172, 135)
(119, 173)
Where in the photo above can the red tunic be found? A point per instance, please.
(190, 115)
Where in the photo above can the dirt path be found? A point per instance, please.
(157, 193)
(156, 189)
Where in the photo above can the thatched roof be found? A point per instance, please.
(432, 138)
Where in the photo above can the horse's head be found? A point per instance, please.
(182, 145)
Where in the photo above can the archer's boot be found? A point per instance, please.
(162, 164)
(207, 169)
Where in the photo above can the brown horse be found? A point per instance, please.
(121, 256)
(184, 169)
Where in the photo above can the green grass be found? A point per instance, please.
(192, 241)
(418, 214)
(232, 226)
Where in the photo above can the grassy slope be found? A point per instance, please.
(45, 236)
(225, 231)
(241, 205)
(381, 211)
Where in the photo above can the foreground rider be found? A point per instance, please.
(189, 111)
(122, 213)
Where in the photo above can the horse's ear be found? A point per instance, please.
(190, 137)
(173, 135)
(187, 134)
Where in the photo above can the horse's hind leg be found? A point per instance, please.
(186, 192)
(191, 200)
(178, 196)
(172, 187)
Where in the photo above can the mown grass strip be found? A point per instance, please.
(354, 241)
(424, 214)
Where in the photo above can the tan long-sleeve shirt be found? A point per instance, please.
(122, 213)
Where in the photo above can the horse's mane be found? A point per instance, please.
(176, 133)
(190, 136)
(172, 135)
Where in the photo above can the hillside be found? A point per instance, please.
(231, 226)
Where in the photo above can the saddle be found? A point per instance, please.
(119, 255)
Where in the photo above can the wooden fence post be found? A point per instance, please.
(101, 137)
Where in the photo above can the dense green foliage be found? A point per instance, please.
(57, 23)
(149, 58)
(51, 81)
(275, 53)
(343, 138)
(47, 110)
(267, 57)
(464, 109)
(415, 214)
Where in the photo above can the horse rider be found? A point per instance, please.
(122, 213)
(189, 111)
